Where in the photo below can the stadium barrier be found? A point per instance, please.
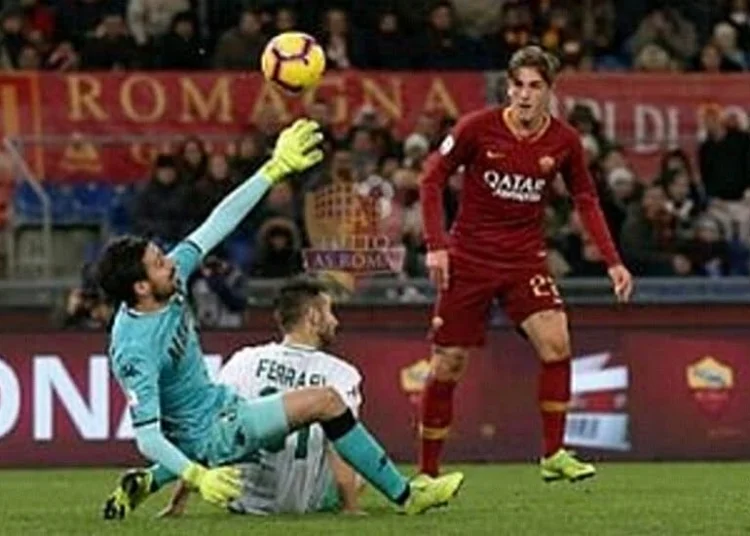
(645, 392)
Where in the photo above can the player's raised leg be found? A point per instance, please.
(361, 450)
(548, 333)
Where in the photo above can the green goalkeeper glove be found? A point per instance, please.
(132, 490)
(297, 149)
(218, 486)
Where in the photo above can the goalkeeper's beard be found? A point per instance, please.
(162, 295)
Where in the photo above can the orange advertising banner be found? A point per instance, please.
(108, 126)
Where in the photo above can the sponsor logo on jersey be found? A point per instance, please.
(494, 155)
(515, 186)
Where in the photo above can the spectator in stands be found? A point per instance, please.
(364, 152)
(337, 40)
(278, 252)
(111, 46)
(724, 158)
(240, 47)
(668, 30)
(725, 39)
(683, 209)
(708, 252)
(580, 255)
(618, 193)
(388, 46)
(443, 46)
(206, 193)
(181, 48)
(712, 61)
(598, 31)
(193, 159)
(250, 155)
(653, 58)
(515, 32)
(39, 20)
(406, 182)
(159, 208)
(29, 59)
(219, 294)
(150, 20)
(648, 241)
(79, 19)
(738, 15)
(12, 39)
(285, 19)
(677, 160)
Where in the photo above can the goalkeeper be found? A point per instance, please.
(190, 427)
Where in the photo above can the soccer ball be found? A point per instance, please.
(294, 61)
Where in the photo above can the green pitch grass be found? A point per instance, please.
(627, 499)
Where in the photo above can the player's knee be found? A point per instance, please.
(329, 403)
(555, 347)
(449, 363)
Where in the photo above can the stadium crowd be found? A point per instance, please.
(645, 35)
(692, 219)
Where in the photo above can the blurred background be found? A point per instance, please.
(140, 115)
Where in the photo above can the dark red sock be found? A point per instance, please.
(554, 395)
(437, 415)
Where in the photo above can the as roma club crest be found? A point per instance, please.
(353, 228)
(711, 383)
(546, 164)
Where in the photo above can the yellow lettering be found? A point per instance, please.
(339, 104)
(270, 101)
(84, 92)
(9, 106)
(373, 94)
(130, 95)
(439, 98)
(194, 103)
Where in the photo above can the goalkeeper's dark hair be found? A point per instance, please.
(120, 267)
(293, 298)
(536, 58)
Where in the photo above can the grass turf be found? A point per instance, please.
(627, 499)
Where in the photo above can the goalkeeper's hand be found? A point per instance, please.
(297, 149)
(219, 485)
(132, 490)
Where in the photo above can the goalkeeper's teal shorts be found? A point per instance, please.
(243, 427)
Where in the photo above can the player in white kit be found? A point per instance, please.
(301, 474)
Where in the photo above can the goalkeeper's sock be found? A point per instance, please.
(362, 451)
(554, 394)
(437, 415)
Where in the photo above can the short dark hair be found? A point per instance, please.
(120, 267)
(536, 58)
(294, 297)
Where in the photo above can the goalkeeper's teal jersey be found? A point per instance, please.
(158, 361)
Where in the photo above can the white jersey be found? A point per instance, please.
(295, 476)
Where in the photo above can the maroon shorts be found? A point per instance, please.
(464, 308)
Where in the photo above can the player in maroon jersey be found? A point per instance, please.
(496, 250)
